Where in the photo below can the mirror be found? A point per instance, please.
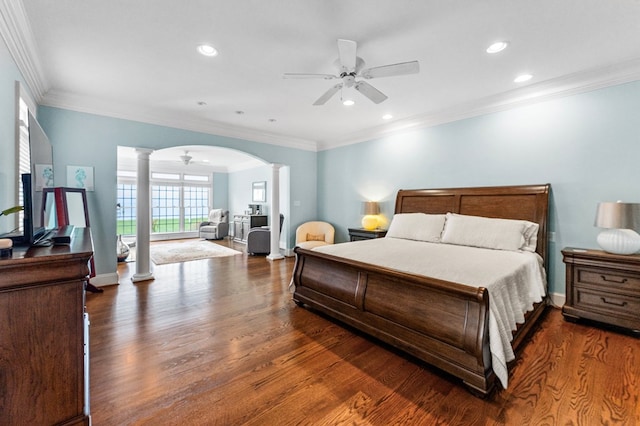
(76, 208)
(259, 192)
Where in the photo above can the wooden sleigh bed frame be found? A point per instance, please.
(442, 323)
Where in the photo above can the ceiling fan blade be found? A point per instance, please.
(402, 68)
(370, 92)
(305, 76)
(328, 94)
(347, 54)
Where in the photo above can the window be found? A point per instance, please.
(196, 206)
(196, 178)
(165, 208)
(178, 202)
(126, 207)
(165, 176)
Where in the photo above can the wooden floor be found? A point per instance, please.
(220, 342)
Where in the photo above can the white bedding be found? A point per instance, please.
(515, 280)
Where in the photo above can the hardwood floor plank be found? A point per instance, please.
(219, 341)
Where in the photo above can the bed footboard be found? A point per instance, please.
(441, 323)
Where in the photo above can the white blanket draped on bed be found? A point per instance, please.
(515, 280)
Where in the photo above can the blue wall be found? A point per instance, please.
(91, 140)
(240, 187)
(587, 146)
(220, 191)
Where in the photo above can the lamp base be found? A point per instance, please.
(370, 222)
(619, 241)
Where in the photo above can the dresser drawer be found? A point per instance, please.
(609, 279)
(606, 302)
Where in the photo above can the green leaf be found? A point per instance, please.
(14, 209)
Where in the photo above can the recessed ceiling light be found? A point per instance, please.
(498, 46)
(387, 117)
(522, 78)
(348, 102)
(207, 50)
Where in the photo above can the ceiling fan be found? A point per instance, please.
(186, 158)
(351, 67)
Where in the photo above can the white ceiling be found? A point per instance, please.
(204, 159)
(138, 60)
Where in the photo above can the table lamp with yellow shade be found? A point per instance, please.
(371, 210)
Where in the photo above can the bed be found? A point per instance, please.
(444, 323)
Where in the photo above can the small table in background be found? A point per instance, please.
(357, 234)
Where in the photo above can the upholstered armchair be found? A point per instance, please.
(217, 227)
(259, 239)
(314, 234)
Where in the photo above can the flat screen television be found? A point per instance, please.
(41, 161)
(41, 176)
(29, 233)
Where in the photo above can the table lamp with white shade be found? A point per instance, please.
(621, 222)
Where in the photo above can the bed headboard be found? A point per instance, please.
(526, 202)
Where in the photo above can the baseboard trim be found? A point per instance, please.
(557, 299)
(105, 279)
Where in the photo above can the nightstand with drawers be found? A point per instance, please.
(603, 287)
(357, 234)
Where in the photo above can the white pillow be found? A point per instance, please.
(215, 215)
(530, 236)
(417, 226)
(500, 234)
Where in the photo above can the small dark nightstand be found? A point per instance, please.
(357, 234)
(603, 287)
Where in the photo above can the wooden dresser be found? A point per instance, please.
(42, 338)
(603, 287)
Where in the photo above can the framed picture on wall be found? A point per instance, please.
(43, 176)
(80, 177)
(259, 192)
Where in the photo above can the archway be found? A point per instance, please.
(231, 172)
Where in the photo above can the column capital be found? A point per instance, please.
(144, 152)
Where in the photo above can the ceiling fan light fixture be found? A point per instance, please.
(498, 46)
(348, 102)
(186, 158)
(350, 71)
(207, 50)
(387, 117)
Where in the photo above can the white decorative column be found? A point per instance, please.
(275, 213)
(143, 260)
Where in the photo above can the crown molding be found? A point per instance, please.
(124, 111)
(568, 85)
(16, 32)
